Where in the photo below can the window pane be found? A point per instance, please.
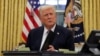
(62, 2)
(42, 1)
(51, 2)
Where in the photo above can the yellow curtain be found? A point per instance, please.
(12, 15)
(91, 15)
(11, 20)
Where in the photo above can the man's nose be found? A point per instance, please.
(49, 16)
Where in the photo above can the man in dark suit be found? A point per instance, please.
(60, 36)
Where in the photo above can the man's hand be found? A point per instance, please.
(51, 48)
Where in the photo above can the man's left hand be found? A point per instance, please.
(51, 48)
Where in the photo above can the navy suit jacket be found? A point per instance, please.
(63, 38)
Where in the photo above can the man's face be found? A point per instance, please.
(48, 17)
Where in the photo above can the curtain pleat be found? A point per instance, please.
(11, 23)
(91, 15)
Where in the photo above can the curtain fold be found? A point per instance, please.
(11, 20)
(91, 15)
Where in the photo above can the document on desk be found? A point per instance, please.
(67, 51)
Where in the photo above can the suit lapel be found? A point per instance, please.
(57, 37)
(57, 32)
(40, 33)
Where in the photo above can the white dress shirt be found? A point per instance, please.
(45, 33)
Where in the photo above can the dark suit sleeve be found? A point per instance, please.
(28, 42)
(70, 41)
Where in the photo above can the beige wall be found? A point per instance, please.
(12, 14)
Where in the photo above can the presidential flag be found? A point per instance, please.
(31, 19)
(74, 19)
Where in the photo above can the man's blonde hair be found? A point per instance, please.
(43, 7)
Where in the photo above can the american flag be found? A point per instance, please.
(31, 19)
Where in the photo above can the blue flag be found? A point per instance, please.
(74, 19)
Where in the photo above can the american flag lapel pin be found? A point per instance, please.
(57, 33)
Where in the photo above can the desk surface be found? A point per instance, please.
(35, 53)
